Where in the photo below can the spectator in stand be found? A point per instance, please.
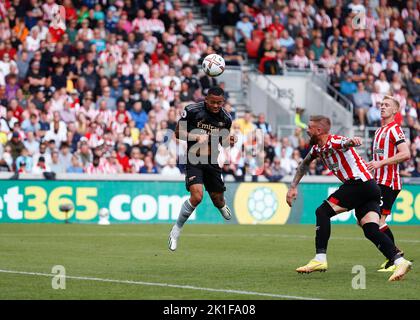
(26, 160)
(374, 115)
(64, 155)
(246, 125)
(286, 41)
(318, 47)
(347, 86)
(40, 166)
(300, 59)
(31, 144)
(122, 157)
(266, 52)
(95, 167)
(337, 77)
(149, 166)
(229, 20)
(276, 28)
(31, 124)
(84, 153)
(231, 56)
(298, 118)
(162, 156)
(362, 102)
(244, 28)
(362, 55)
(383, 84)
(112, 166)
(16, 145)
(277, 171)
(263, 125)
(138, 115)
(56, 166)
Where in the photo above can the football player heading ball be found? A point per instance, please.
(204, 125)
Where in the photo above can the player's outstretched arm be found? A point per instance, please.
(353, 142)
(300, 172)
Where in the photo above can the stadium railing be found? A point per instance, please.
(319, 75)
(279, 103)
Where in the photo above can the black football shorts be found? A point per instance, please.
(361, 196)
(388, 196)
(208, 174)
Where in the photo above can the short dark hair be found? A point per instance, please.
(216, 91)
(324, 121)
(64, 145)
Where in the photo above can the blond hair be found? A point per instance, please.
(396, 102)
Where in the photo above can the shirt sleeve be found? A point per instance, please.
(185, 115)
(338, 142)
(397, 135)
(229, 123)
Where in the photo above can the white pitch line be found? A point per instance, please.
(156, 284)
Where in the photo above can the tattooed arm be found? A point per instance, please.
(300, 172)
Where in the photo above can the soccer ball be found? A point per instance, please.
(262, 204)
(213, 65)
(104, 212)
(104, 217)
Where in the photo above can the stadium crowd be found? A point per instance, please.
(368, 48)
(101, 90)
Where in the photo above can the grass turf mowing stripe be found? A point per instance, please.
(250, 293)
(186, 234)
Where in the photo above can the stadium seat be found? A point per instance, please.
(258, 34)
(252, 47)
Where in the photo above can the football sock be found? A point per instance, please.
(380, 240)
(321, 257)
(385, 229)
(186, 210)
(399, 261)
(323, 227)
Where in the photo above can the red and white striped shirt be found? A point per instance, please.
(385, 146)
(101, 168)
(344, 162)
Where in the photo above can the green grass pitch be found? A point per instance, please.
(212, 262)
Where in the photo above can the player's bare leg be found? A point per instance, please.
(370, 225)
(220, 203)
(196, 191)
(323, 231)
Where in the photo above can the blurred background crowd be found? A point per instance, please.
(101, 90)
